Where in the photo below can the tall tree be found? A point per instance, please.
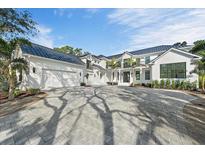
(180, 44)
(70, 50)
(15, 29)
(199, 47)
(200, 70)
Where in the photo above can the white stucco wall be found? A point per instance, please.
(174, 57)
(36, 80)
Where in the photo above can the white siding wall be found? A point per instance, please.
(174, 57)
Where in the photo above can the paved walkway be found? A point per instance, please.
(107, 115)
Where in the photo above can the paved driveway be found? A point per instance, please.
(107, 115)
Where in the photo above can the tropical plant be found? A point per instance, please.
(182, 85)
(173, 84)
(167, 84)
(162, 83)
(133, 62)
(199, 48)
(200, 70)
(177, 84)
(15, 27)
(113, 64)
(194, 85)
(152, 84)
(156, 84)
(11, 65)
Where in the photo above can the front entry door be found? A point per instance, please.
(126, 76)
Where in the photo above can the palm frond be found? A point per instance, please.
(19, 64)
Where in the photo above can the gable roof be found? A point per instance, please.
(41, 51)
(175, 49)
(160, 48)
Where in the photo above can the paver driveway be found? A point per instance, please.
(106, 115)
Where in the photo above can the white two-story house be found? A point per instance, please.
(51, 69)
(156, 63)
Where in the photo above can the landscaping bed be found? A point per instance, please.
(20, 102)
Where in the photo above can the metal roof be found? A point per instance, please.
(152, 50)
(161, 48)
(41, 51)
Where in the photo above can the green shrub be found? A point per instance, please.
(177, 84)
(17, 92)
(152, 84)
(173, 84)
(33, 91)
(188, 86)
(167, 84)
(149, 85)
(181, 85)
(156, 84)
(162, 83)
(185, 86)
(194, 85)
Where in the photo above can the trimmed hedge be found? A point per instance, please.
(174, 84)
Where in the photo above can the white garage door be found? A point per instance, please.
(59, 78)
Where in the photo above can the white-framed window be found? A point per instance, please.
(147, 74)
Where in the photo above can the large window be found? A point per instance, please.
(147, 74)
(137, 75)
(173, 70)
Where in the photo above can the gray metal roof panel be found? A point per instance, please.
(41, 51)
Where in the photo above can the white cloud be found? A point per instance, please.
(63, 12)
(44, 37)
(149, 27)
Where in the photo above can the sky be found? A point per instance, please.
(112, 31)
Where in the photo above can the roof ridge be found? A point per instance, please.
(151, 47)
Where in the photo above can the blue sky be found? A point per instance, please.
(110, 31)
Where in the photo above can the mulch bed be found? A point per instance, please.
(21, 102)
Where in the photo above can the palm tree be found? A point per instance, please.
(133, 62)
(10, 65)
(200, 70)
(112, 64)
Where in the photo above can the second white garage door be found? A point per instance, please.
(59, 78)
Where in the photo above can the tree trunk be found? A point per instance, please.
(11, 84)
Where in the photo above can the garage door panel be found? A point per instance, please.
(58, 78)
